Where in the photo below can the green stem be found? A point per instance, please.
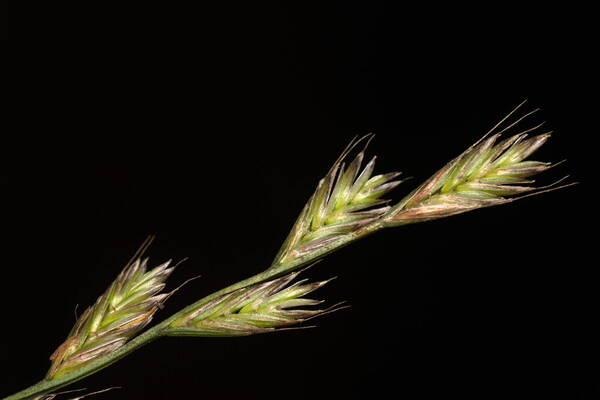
(162, 329)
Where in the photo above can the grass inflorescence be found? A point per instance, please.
(346, 205)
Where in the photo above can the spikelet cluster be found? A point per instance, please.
(259, 308)
(52, 396)
(345, 200)
(486, 174)
(119, 314)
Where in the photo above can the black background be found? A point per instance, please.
(3, 21)
(210, 129)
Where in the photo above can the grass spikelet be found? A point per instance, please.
(259, 308)
(120, 313)
(346, 199)
(486, 174)
(52, 396)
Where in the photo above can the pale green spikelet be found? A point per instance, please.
(486, 174)
(260, 308)
(119, 314)
(345, 200)
(52, 396)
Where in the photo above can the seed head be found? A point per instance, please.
(119, 314)
(260, 308)
(486, 174)
(345, 200)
